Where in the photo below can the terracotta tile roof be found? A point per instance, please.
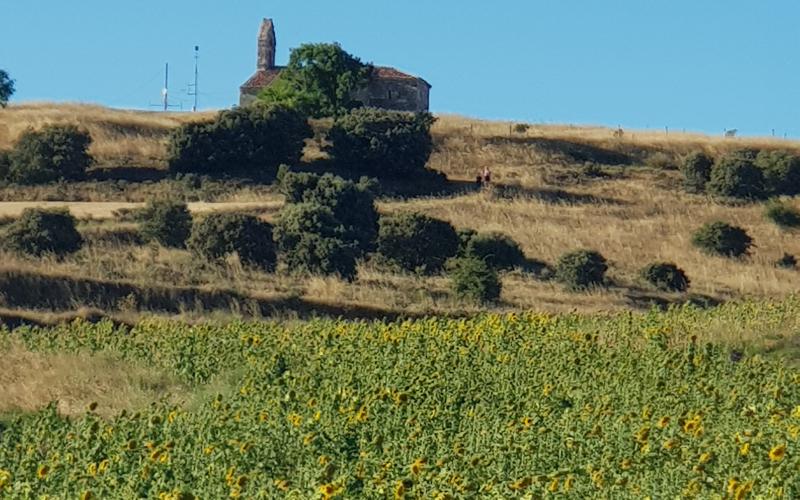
(394, 74)
(262, 78)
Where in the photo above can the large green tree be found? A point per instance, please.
(6, 88)
(321, 80)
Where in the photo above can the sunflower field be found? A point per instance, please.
(494, 406)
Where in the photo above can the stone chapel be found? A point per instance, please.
(388, 88)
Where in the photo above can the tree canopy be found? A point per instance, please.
(320, 80)
(6, 88)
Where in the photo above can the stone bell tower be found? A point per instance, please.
(266, 45)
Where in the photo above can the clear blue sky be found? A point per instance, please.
(702, 65)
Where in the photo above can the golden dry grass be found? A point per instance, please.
(31, 380)
(109, 210)
(635, 215)
(120, 137)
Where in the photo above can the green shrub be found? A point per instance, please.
(416, 243)
(5, 165)
(521, 128)
(473, 279)
(352, 204)
(736, 177)
(382, 143)
(251, 140)
(788, 261)
(785, 216)
(498, 250)
(748, 154)
(167, 222)
(294, 185)
(720, 238)
(39, 232)
(581, 269)
(666, 276)
(311, 241)
(696, 170)
(781, 172)
(219, 234)
(54, 152)
(465, 235)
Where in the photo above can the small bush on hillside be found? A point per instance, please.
(167, 222)
(220, 234)
(748, 154)
(352, 204)
(696, 170)
(417, 243)
(5, 165)
(666, 276)
(581, 269)
(781, 172)
(498, 250)
(473, 279)
(785, 216)
(736, 177)
(294, 185)
(465, 235)
(382, 143)
(720, 238)
(54, 152)
(521, 128)
(788, 261)
(311, 241)
(38, 232)
(251, 140)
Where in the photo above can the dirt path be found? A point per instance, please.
(105, 210)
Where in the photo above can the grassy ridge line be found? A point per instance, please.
(137, 137)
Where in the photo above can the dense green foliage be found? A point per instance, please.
(416, 243)
(327, 223)
(167, 222)
(497, 250)
(52, 153)
(6, 88)
(465, 235)
(581, 269)
(736, 176)
(787, 261)
(696, 170)
(782, 214)
(781, 172)
(352, 204)
(474, 279)
(320, 80)
(721, 238)
(5, 164)
(311, 240)
(666, 276)
(219, 234)
(38, 232)
(516, 406)
(383, 144)
(252, 140)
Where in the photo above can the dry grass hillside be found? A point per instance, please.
(556, 188)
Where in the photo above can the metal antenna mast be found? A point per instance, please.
(193, 89)
(165, 92)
